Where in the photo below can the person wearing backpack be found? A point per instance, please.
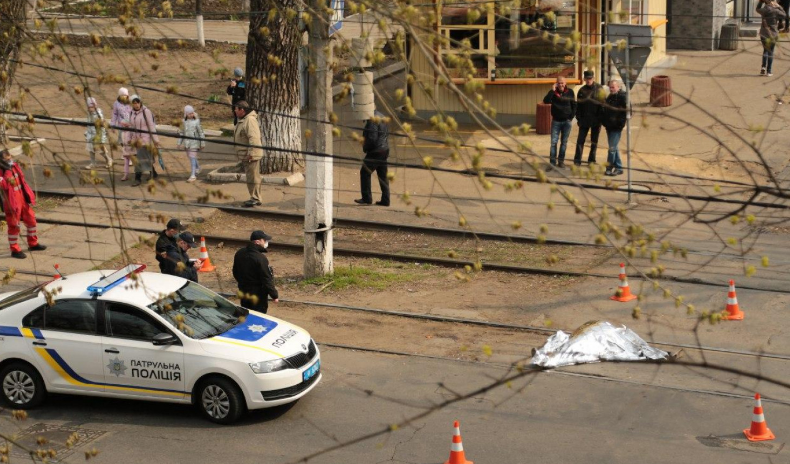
(18, 200)
(143, 137)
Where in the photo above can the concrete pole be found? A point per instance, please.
(630, 199)
(318, 219)
(199, 20)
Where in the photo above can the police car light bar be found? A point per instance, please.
(115, 278)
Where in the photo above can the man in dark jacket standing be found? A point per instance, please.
(563, 110)
(165, 239)
(377, 150)
(177, 262)
(237, 91)
(588, 115)
(615, 116)
(254, 275)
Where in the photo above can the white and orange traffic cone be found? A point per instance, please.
(734, 313)
(759, 430)
(57, 275)
(457, 455)
(623, 290)
(207, 266)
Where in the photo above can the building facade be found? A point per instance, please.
(518, 64)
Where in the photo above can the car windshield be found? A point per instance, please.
(198, 312)
(19, 297)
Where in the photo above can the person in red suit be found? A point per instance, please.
(18, 201)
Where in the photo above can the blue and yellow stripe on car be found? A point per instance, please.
(10, 331)
(59, 365)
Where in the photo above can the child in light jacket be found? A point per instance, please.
(192, 139)
(96, 135)
(121, 112)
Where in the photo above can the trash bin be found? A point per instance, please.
(661, 91)
(543, 119)
(728, 40)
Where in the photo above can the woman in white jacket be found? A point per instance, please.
(192, 139)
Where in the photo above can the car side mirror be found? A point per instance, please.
(165, 339)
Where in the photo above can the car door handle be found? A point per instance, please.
(40, 343)
(112, 350)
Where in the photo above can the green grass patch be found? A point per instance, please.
(352, 276)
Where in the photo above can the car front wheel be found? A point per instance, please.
(220, 400)
(22, 386)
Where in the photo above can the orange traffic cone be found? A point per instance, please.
(207, 266)
(734, 313)
(759, 430)
(457, 448)
(623, 290)
(57, 272)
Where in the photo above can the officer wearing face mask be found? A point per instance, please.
(253, 274)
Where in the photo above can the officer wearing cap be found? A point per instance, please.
(167, 238)
(254, 275)
(177, 262)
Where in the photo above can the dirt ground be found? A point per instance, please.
(202, 74)
(407, 287)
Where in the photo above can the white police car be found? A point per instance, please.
(131, 334)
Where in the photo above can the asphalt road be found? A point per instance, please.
(543, 418)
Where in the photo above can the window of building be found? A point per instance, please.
(637, 11)
(498, 47)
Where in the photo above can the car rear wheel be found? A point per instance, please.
(22, 386)
(220, 400)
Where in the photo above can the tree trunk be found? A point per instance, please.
(12, 23)
(273, 82)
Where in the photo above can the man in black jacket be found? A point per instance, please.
(165, 239)
(588, 116)
(177, 262)
(615, 115)
(563, 110)
(253, 274)
(237, 91)
(377, 150)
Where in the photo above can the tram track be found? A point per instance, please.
(397, 228)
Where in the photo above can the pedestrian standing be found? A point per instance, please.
(177, 260)
(769, 32)
(253, 274)
(377, 150)
(165, 239)
(144, 139)
(96, 135)
(247, 139)
(615, 116)
(589, 111)
(121, 117)
(237, 91)
(192, 140)
(785, 4)
(18, 201)
(563, 110)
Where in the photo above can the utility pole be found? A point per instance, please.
(199, 20)
(318, 219)
(630, 200)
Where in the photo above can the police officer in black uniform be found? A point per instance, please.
(254, 275)
(165, 239)
(177, 262)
